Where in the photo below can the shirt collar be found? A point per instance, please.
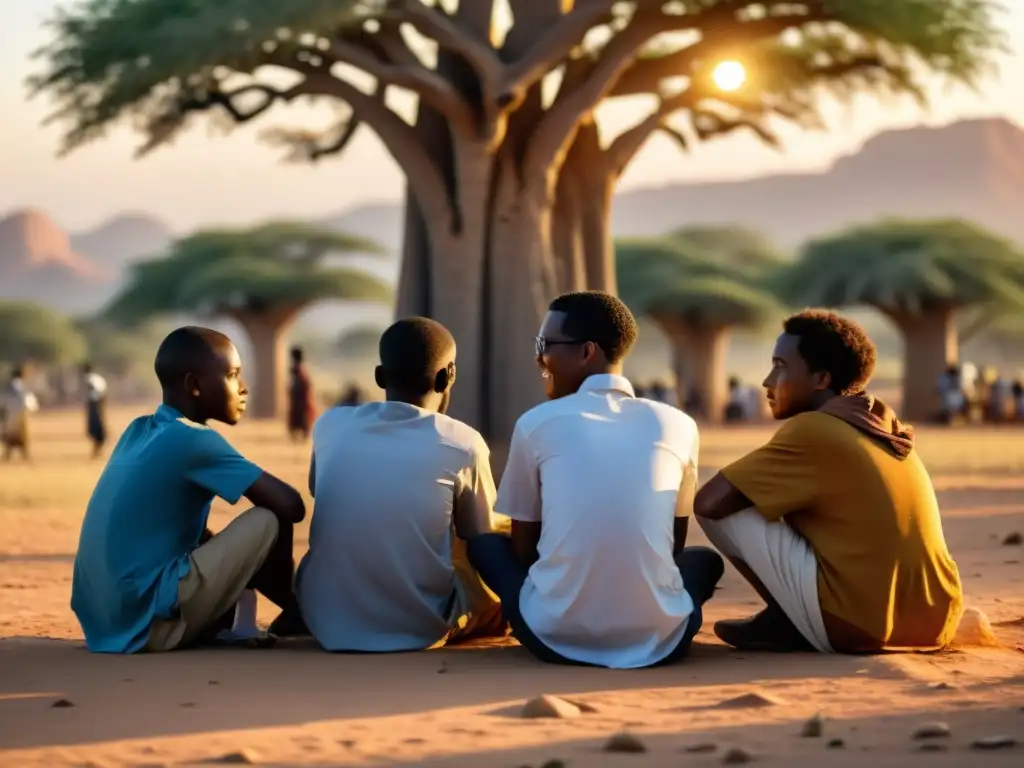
(603, 382)
(165, 412)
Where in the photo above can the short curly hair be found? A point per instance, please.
(836, 344)
(598, 317)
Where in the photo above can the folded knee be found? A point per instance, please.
(265, 525)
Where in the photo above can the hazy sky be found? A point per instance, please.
(205, 178)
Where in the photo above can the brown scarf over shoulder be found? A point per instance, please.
(876, 419)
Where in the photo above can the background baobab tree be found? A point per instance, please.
(262, 278)
(921, 275)
(498, 175)
(698, 286)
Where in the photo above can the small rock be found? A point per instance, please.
(750, 700)
(241, 757)
(188, 705)
(836, 744)
(942, 685)
(443, 669)
(62, 704)
(556, 763)
(550, 706)
(975, 629)
(935, 730)
(701, 749)
(213, 682)
(994, 742)
(624, 743)
(932, 746)
(813, 728)
(736, 755)
(1014, 539)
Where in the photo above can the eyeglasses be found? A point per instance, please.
(542, 345)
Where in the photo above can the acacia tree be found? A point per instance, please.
(262, 278)
(698, 286)
(491, 212)
(921, 275)
(32, 333)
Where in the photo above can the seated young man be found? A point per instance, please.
(834, 522)
(148, 576)
(599, 485)
(394, 484)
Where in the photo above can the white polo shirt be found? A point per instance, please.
(392, 483)
(601, 471)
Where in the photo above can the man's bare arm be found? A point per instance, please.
(525, 537)
(277, 496)
(719, 499)
(312, 476)
(679, 530)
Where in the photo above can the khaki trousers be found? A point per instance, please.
(219, 573)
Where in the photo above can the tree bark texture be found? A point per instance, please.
(267, 332)
(930, 344)
(699, 354)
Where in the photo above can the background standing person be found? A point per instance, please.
(95, 408)
(301, 410)
(16, 403)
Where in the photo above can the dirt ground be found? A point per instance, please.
(298, 706)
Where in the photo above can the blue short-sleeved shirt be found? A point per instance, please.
(147, 513)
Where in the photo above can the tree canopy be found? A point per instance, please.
(909, 267)
(231, 271)
(32, 332)
(677, 278)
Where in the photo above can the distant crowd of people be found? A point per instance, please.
(580, 552)
(980, 395)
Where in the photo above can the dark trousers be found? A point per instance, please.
(493, 558)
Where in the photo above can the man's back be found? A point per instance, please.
(379, 575)
(886, 579)
(607, 469)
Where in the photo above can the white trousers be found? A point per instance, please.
(782, 560)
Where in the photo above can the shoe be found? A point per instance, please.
(254, 642)
(770, 631)
(288, 624)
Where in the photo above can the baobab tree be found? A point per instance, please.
(492, 230)
(920, 275)
(262, 278)
(698, 290)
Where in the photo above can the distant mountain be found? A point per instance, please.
(126, 238)
(971, 169)
(38, 263)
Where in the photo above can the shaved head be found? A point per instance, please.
(188, 350)
(200, 374)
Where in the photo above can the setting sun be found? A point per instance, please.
(729, 75)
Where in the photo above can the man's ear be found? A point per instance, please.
(823, 381)
(590, 350)
(379, 377)
(191, 385)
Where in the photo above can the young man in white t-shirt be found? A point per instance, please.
(395, 485)
(600, 486)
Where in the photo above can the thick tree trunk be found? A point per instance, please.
(522, 284)
(567, 235)
(929, 345)
(267, 332)
(699, 354)
(414, 274)
(588, 164)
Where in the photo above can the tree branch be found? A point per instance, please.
(555, 43)
(434, 89)
(435, 24)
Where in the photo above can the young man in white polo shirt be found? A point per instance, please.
(600, 486)
(394, 484)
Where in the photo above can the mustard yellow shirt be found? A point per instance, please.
(886, 580)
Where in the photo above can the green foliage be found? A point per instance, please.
(908, 267)
(694, 279)
(156, 61)
(281, 265)
(30, 332)
(120, 351)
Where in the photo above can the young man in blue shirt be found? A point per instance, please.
(148, 575)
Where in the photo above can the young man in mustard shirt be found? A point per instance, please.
(834, 521)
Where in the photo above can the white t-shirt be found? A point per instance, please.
(601, 471)
(95, 387)
(392, 482)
